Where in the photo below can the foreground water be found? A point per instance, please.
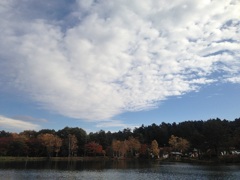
(114, 170)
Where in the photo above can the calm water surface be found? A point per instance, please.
(114, 170)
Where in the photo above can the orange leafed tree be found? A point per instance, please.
(57, 144)
(51, 142)
(133, 144)
(178, 143)
(123, 148)
(116, 144)
(48, 141)
(72, 145)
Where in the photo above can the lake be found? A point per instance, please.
(114, 170)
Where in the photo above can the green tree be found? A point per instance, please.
(79, 133)
(215, 134)
(4, 134)
(35, 147)
(18, 147)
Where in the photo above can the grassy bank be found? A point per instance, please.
(222, 160)
(9, 158)
(231, 159)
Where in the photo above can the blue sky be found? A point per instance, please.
(117, 64)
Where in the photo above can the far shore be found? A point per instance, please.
(102, 158)
(10, 158)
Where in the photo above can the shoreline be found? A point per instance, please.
(99, 159)
(11, 158)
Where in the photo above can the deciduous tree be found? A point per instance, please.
(48, 141)
(154, 148)
(72, 145)
(133, 145)
(52, 143)
(57, 144)
(93, 148)
(116, 144)
(178, 143)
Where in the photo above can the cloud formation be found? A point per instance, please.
(10, 124)
(93, 60)
(114, 123)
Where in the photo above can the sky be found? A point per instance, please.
(117, 64)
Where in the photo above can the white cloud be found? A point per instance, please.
(14, 125)
(234, 79)
(94, 60)
(29, 119)
(114, 123)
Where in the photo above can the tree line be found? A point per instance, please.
(208, 138)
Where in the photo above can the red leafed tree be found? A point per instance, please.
(4, 145)
(93, 148)
(143, 151)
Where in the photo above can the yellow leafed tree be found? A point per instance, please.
(154, 148)
(133, 144)
(178, 143)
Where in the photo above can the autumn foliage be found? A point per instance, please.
(178, 144)
(208, 138)
(93, 149)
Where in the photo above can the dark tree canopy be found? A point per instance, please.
(212, 136)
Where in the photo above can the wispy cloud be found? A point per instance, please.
(14, 125)
(29, 119)
(93, 60)
(114, 123)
